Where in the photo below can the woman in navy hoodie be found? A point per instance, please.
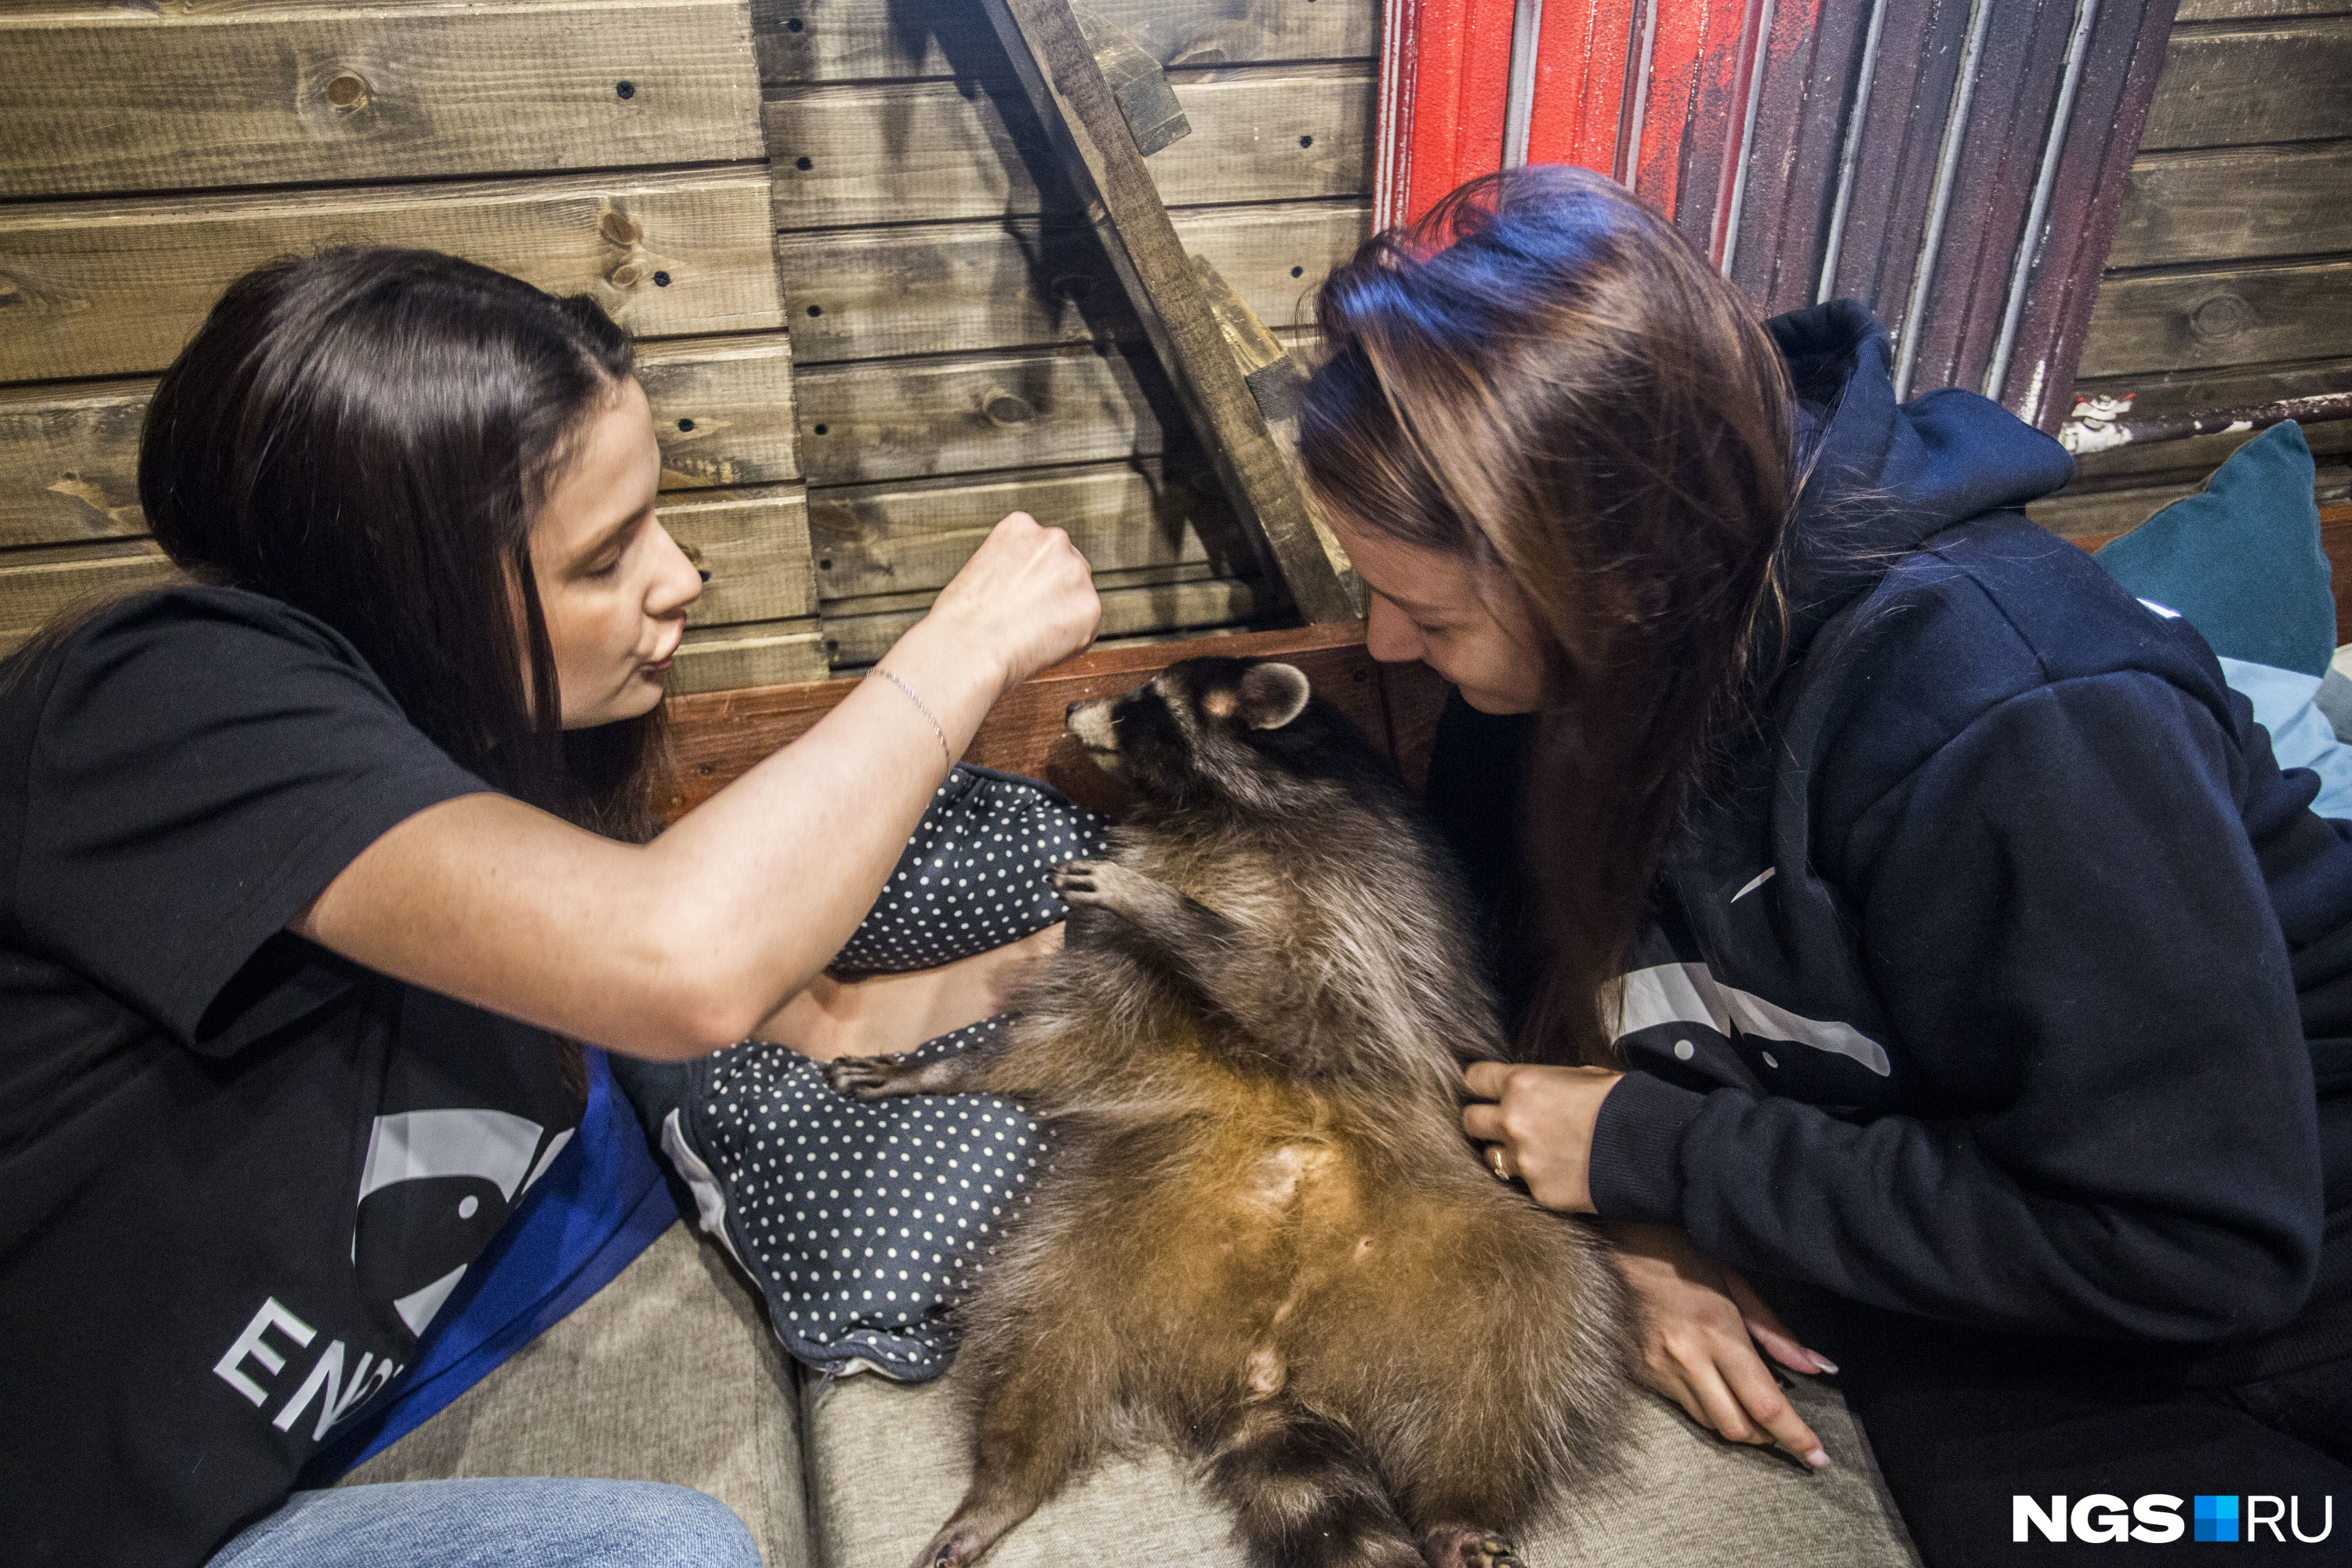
(1899, 914)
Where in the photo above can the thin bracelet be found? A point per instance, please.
(920, 707)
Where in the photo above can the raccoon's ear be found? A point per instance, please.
(1272, 695)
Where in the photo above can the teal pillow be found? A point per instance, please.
(2242, 559)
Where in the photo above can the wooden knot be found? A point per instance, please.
(1004, 408)
(620, 228)
(347, 89)
(627, 275)
(2223, 316)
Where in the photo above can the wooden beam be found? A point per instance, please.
(179, 97)
(1154, 604)
(2261, 82)
(115, 286)
(911, 537)
(928, 152)
(2184, 208)
(70, 455)
(2228, 315)
(723, 658)
(753, 545)
(990, 285)
(801, 42)
(1099, 156)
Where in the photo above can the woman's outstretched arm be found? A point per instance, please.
(684, 945)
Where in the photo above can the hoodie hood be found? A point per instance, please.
(1886, 477)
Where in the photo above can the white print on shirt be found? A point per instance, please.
(435, 1185)
(336, 1397)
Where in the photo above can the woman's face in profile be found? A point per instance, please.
(1468, 625)
(613, 585)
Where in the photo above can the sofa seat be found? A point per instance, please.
(669, 1374)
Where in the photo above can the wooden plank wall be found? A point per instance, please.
(151, 154)
(961, 347)
(2230, 277)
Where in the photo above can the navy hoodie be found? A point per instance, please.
(2006, 980)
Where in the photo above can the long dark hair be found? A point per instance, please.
(365, 434)
(1544, 377)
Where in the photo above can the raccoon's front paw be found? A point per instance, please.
(865, 1077)
(1108, 885)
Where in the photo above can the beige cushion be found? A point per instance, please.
(886, 1468)
(668, 1373)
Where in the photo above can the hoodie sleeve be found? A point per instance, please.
(2065, 917)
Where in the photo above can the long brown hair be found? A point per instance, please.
(1544, 378)
(365, 434)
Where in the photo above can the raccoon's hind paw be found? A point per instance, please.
(1471, 1549)
(1108, 885)
(865, 1077)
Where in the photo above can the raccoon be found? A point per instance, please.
(1261, 1234)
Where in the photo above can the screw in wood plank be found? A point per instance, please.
(661, 279)
(1299, 272)
(816, 309)
(825, 564)
(686, 424)
(1307, 141)
(803, 163)
(625, 89)
(794, 26)
(819, 429)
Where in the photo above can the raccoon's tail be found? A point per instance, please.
(1305, 1495)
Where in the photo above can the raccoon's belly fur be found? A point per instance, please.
(1277, 1253)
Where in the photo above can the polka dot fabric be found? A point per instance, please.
(973, 874)
(862, 1222)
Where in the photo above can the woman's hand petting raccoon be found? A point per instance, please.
(1701, 1325)
(1540, 1124)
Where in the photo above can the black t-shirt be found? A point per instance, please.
(237, 1174)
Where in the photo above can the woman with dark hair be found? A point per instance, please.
(1898, 912)
(319, 864)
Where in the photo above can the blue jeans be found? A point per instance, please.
(511, 1523)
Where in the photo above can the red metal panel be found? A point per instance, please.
(1581, 61)
(1715, 142)
(1448, 126)
(1776, 145)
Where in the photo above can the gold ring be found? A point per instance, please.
(1494, 1161)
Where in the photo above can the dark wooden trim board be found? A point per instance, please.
(719, 735)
